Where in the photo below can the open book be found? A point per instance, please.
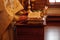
(34, 15)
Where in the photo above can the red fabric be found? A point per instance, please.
(22, 17)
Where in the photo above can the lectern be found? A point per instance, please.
(32, 29)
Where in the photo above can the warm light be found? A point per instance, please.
(46, 7)
(57, 0)
(54, 0)
(51, 0)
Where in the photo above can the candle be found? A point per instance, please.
(29, 2)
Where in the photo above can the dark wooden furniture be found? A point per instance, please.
(29, 32)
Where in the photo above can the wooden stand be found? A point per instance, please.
(29, 32)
